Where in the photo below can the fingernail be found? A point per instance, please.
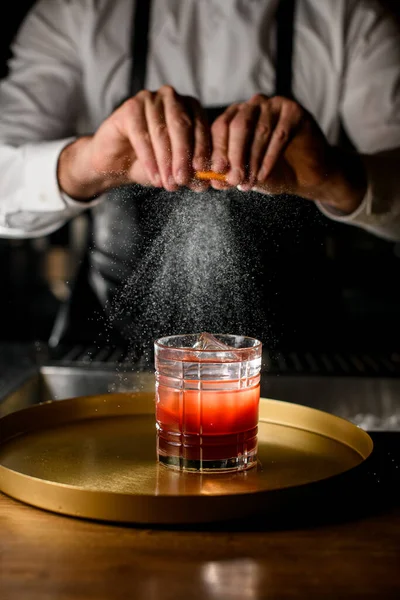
(199, 165)
(171, 181)
(235, 176)
(200, 188)
(181, 176)
(219, 165)
(157, 179)
(259, 190)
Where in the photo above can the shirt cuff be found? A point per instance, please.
(379, 212)
(78, 206)
(358, 217)
(41, 180)
(40, 207)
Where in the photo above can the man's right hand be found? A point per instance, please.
(153, 139)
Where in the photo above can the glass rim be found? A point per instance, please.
(159, 344)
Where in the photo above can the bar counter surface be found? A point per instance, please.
(341, 553)
(45, 556)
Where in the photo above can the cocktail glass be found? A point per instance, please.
(207, 400)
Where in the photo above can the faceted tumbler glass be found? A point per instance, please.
(207, 400)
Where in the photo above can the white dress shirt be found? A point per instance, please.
(71, 68)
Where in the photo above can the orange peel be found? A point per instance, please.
(209, 175)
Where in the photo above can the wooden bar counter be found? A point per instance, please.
(44, 556)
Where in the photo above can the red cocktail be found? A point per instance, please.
(207, 397)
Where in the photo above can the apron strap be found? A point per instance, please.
(139, 46)
(284, 48)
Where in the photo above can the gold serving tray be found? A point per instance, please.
(94, 457)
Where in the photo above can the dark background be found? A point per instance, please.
(35, 274)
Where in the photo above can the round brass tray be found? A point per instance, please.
(94, 457)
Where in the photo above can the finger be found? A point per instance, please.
(180, 129)
(261, 139)
(154, 110)
(287, 123)
(241, 133)
(134, 124)
(202, 144)
(220, 185)
(258, 100)
(220, 140)
(202, 137)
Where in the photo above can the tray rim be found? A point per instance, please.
(144, 508)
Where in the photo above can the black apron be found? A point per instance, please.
(163, 263)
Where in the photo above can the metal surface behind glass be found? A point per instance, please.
(370, 402)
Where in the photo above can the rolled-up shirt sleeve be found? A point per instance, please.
(39, 104)
(370, 111)
(379, 212)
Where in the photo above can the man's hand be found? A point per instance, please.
(275, 146)
(154, 138)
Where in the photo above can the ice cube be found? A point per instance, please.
(207, 341)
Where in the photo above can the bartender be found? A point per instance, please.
(109, 103)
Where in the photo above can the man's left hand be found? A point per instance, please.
(273, 145)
